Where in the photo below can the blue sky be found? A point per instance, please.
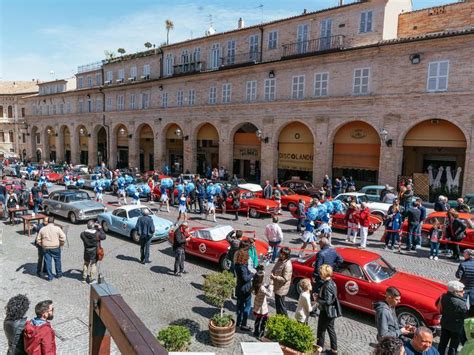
(40, 36)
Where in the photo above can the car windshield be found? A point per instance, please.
(308, 185)
(78, 197)
(138, 212)
(379, 270)
(363, 198)
(288, 192)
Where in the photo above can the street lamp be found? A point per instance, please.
(122, 131)
(384, 136)
(259, 135)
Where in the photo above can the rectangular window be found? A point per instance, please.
(321, 84)
(68, 107)
(361, 81)
(110, 76)
(23, 137)
(169, 64)
(89, 82)
(80, 107)
(132, 104)
(38, 138)
(197, 55)
(438, 73)
(230, 52)
(269, 89)
(10, 136)
(192, 97)
(326, 32)
(179, 98)
(164, 99)
(145, 100)
(272, 39)
(251, 91)
(133, 73)
(98, 79)
(212, 95)
(2, 137)
(302, 37)
(253, 47)
(215, 56)
(89, 106)
(226, 93)
(98, 105)
(54, 109)
(365, 22)
(121, 75)
(61, 109)
(297, 88)
(120, 103)
(80, 82)
(146, 70)
(108, 106)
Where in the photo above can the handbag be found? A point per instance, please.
(100, 250)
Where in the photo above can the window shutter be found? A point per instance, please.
(369, 22)
(362, 22)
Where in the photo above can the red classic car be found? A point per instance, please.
(338, 221)
(289, 198)
(255, 206)
(302, 187)
(54, 177)
(467, 218)
(363, 278)
(210, 244)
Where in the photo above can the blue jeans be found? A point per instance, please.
(469, 294)
(391, 238)
(434, 248)
(244, 305)
(145, 243)
(418, 236)
(49, 255)
(412, 235)
(36, 203)
(275, 246)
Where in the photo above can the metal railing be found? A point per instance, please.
(242, 58)
(313, 46)
(89, 67)
(185, 68)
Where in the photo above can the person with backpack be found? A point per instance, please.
(181, 236)
(91, 238)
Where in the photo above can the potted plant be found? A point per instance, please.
(294, 337)
(175, 338)
(218, 288)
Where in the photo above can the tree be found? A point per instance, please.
(169, 26)
(121, 51)
(109, 54)
(148, 45)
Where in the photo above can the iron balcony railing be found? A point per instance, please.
(89, 67)
(239, 59)
(188, 68)
(313, 46)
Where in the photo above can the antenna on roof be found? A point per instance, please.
(261, 12)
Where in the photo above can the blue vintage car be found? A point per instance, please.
(123, 220)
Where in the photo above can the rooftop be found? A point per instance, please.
(18, 87)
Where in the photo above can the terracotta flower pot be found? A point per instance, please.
(222, 336)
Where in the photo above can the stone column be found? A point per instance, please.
(189, 147)
(322, 151)
(133, 151)
(468, 176)
(159, 148)
(59, 145)
(390, 164)
(268, 152)
(112, 149)
(46, 147)
(92, 148)
(75, 147)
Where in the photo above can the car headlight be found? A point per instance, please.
(81, 213)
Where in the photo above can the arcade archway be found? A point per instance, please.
(295, 152)
(101, 145)
(356, 153)
(207, 148)
(122, 146)
(174, 149)
(84, 145)
(146, 147)
(247, 152)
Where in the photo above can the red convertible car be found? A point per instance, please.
(338, 221)
(467, 218)
(363, 278)
(289, 198)
(255, 206)
(210, 244)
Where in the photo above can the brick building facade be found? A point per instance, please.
(368, 89)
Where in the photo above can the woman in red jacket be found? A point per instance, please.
(364, 220)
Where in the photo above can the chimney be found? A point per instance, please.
(241, 23)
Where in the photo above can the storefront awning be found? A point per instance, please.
(356, 156)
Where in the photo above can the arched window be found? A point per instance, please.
(10, 111)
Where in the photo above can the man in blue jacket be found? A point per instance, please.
(145, 229)
(327, 255)
(465, 274)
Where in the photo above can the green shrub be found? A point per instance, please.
(291, 333)
(175, 338)
(218, 288)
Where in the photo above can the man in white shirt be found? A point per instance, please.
(274, 235)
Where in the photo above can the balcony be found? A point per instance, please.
(188, 68)
(323, 44)
(240, 59)
(89, 67)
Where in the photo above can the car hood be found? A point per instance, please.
(378, 206)
(86, 204)
(161, 222)
(261, 246)
(419, 285)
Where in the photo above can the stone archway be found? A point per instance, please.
(51, 143)
(34, 137)
(146, 147)
(295, 152)
(356, 153)
(247, 152)
(101, 145)
(83, 148)
(436, 147)
(67, 144)
(207, 149)
(174, 149)
(38, 155)
(121, 136)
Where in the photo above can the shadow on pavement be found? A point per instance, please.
(28, 268)
(74, 274)
(127, 258)
(192, 325)
(162, 270)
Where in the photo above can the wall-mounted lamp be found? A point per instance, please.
(84, 133)
(271, 74)
(384, 137)
(122, 131)
(49, 131)
(259, 135)
(415, 58)
(179, 134)
(160, 87)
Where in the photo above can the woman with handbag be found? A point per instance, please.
(243, 289)
(329, 307)
(93, 251)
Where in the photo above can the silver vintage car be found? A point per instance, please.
(76, 205)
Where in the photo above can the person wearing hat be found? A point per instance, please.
(465, 274)
(145, 229)
(181, 236)
(281, 279)
(453, 310)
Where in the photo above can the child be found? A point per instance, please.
(260, 305)
(305, 307)
(435, 236)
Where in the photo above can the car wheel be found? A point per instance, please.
(408, 316)
(254, 213)
(291, 206)
(135, 236)
(105, 226)
(379, 214)
(73, 218)
(225, 263)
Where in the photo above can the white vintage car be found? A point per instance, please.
(379, 209)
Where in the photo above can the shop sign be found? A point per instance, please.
(295, 156)
(358, 133)
(246, 153)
